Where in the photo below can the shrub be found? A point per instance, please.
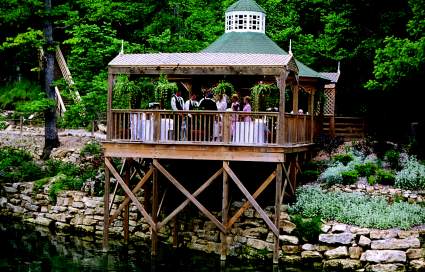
(17, 165)
(371, 180)
(333, 174)
(385, 176)
(63, 182)
(343, 158)
(349, 176)
(412, 175)
(328, 143)
(357, 209)
(366, 169)
(393, 158)
(91, 149)
(310, 175)
(307, 228)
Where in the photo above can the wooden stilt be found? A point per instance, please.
(175, 232)
(224, 216)
(106, 211)
(154, 235)
(125, 224)
(277, 212)
(293, 171)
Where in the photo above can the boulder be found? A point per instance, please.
(259, 244)
(408, 233)
(339, 228)
(255, 232)
(396, 243)
(337, 253)
(415, 253)
(287, 226)
(384, 256)
(364, 241)
(289, 239)
(3, 202)
(291, 259)
(308, 247)
(290, 249)
(382, 234)
(311, 255)
(341, 264)
(360, 231)
(344, 238)
(386, 268)
(325, 228)
(355, 252)
(417, 265)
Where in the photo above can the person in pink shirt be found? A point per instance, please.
(247, 108)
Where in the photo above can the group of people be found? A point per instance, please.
(208, 103)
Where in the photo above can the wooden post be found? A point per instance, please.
(293, 170)
(295, 98)
(175, 232)
(281, 124)
(277, 211)
(224, 216)
(332, 125)
(226, 127)
(109, 127)
(311, 111)
(125, 224)
(154, 235)
(106, 210)
(156, 126)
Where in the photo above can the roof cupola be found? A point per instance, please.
(245, 16)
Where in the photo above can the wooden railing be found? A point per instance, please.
(236, 128)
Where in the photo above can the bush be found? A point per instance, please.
(372, 180)
(385, 176)
(310, 175)
(63, 182)
(349, 177)
(307, 228)
(333, 174)
(357, 209)
(343, 158)
(393, 158)
(411, 176)
(17, 165)
(366, 169)
(328, 143)
(91, 149)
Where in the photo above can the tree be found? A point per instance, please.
(51, 138)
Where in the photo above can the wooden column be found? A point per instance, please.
(125, 223)
(224, 211)
(154, 235)
(175, 232)
(295, 106)
(279, 173)
(281, 80)
(106, 210)
(109, 122)
(311, 111)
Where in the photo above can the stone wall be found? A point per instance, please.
(339, 247)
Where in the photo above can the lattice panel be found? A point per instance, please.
(329, 106)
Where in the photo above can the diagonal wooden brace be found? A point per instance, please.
(251, 200)
(134, 191)
(187, 201)
(246, 205)
(130, 194)
(189, 195)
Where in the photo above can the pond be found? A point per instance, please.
(32, 248)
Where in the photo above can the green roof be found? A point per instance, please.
(246, 5)
(254, 43)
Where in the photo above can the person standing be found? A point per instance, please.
(247, 108)
(177, 104)
(191, 104)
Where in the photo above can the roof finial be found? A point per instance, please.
(290, 47)
(339, 68)
(122, 47)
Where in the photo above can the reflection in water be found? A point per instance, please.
(33, 248)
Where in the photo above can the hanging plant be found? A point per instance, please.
(263, 96)
(224, 87)
(163, 91)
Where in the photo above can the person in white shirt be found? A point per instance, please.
(177, 104)
(177, 101)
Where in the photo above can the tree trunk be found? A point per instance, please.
(51, 139)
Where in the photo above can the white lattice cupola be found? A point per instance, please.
(245, 16)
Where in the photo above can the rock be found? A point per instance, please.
(337, 253)
(101, 128)
(386, 268)
(289, 239)
(382, 234)
(291, 259)
(31, 207)
(3, 202)
(259, 244)
(90, 203)
(44, 209)
(339, 228)
(290, 249)
(360, 231)
(287, 226)
(255, 232)
(341, 264)
(396, 243)
(321, 248)
(10, 190)
(417, 265)
(78, 205)
(325, 228)
(42, 221)
(364, 241)
(383, 256)
(311, 255)
(415, 253)
(308, 247)
(408, 233)
(344, 238)
(355, 252)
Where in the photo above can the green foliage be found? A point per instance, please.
(372, 180)
(3, 123)
(343, 158)
(307, 228)
(349, 176)
(366, 169)
(412, 175)
(264, 96)
(163, 91)
(357, 209)
(39, 184)
(92, 149)
(393, 158)
(17, 165)
(224, 87)
(328, 143)
(384, 176)
(310, 175)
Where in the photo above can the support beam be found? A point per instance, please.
(224, 213)
(254, 203)
(154, 236)
(277, 211)
(281, 83)
(126, 211)
(295, 91)
(106, 209)
(189, 195)
(109, 128)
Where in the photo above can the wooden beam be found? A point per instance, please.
(154, 236)
(187, 201)
(106, 209)
(188, 195)
(287, 177)
(281, 123)
(246, 205)
(126, 214)
(254, 203)
(135, 190)
(109, 128)
(130, 194)
(277, 204)
(224, 214)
